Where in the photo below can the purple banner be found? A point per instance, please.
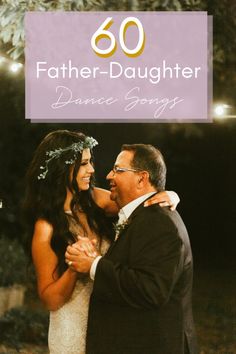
(117, 66)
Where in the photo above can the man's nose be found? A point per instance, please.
(110, 175)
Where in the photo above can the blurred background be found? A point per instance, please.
(201, 160)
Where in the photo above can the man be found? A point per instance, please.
(141, 300)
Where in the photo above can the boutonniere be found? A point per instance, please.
(119, 227)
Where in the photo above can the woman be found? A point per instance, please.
(62, 205)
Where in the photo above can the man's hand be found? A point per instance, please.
(165, 198)
(80, 255)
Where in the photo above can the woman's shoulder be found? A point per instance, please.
(43, 230)
(102, 199)
(41, 242)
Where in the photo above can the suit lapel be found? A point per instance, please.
(130, 220)
(138, 209)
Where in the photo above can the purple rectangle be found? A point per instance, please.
(166, 80)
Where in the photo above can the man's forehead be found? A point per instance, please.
(124, 156)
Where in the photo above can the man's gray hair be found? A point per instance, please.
(150, 159)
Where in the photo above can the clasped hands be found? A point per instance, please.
(80, 255)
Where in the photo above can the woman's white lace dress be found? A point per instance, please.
(68, 325)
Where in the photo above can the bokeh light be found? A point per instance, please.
(2, 60)
(15, 67)
(221, 110)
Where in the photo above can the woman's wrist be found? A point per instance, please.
(72, 271)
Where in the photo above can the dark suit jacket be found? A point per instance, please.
(141, 301)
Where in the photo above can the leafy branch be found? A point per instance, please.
(12, 19)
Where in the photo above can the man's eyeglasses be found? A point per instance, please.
(116, 169)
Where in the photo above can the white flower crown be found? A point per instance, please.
(88, 143)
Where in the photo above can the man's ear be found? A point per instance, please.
(143, 179)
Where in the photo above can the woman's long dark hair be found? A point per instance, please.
(45, 198)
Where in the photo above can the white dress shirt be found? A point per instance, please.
(123, 214)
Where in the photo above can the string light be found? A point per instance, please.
(15, 67)
(12, 66)
(221, 110)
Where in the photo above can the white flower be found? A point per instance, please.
(119, 227)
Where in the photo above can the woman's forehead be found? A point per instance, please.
(86, 154)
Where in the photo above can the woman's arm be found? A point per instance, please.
(54, 290)
(165, 198)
